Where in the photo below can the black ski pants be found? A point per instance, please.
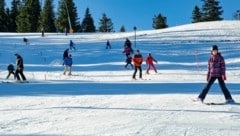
(225, 91)
(20, 71)
(140, 72)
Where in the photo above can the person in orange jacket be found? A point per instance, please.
(137, 62)
(149, 62)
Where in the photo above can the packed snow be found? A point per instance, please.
(101, 98)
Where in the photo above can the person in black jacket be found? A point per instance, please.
(10, 69)
(19, 68)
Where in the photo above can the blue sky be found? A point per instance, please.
(140, 13)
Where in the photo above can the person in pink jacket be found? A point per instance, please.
(149, 62)
(216, 71)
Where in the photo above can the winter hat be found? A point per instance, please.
(214, 47)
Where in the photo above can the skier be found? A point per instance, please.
(149, 62)
(129, 61)
(65, 54)
(127, 51)
(108, 45)
(25, 40)
(68, 65)
(216, 70)
(128, 44)
(19, 68)
(71, 44)
(10, 69)
(137, 61)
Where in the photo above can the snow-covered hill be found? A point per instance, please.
(100, 98)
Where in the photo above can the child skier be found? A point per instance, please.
(149, 62)
(68, 65)
(10, 69)
(71, 45)
(216, 70)
(129, 61)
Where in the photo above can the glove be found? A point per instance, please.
(224, 77)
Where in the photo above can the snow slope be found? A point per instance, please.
(100, 98)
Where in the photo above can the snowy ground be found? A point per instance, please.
(100, 98)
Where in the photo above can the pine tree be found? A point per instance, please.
(3, 17)
(88, 22)
(196, 15)
(211, 10)
(159, 22)
(122, 29)
(14, 12)
(67, 16)
(106, 24)
(27, 20)
(47, 18)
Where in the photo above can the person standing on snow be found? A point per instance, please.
(71, 45)
(149, 62)
(128, 44)
(108, 45)
(19, 68)
(216, 70)
(137, 61)
(68, 65)
(127, 51)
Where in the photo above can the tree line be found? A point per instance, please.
(30, 16)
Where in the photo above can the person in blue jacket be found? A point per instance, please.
(71, 44)
(68, 65)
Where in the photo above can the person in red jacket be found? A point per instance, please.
(149, 62)
(137, 62)
(216, 70)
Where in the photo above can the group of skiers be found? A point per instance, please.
(137, 60)
(216, 68)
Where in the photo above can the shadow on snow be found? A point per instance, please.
(93, 88)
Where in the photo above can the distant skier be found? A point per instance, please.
(10, 69)
(216, 70)
(68, 65)
(149, 62)
(71, 45)
(19, 68)
(42, 30)
(25, 40)
(129, 62)
(65, 31)
(108, 45)
(137, 61)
